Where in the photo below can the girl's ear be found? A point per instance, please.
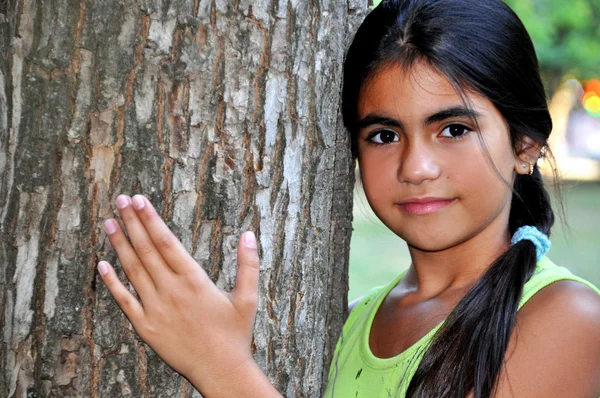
(528, 153)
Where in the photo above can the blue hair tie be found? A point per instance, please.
(538, 238)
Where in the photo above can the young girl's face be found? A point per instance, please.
(423, 166)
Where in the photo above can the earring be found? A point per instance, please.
(525, 166)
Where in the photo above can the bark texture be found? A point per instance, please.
(226, 115)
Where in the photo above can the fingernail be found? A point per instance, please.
(110, 226)
(122, 201)
(138, 202)
(250, 240)
(103, 267)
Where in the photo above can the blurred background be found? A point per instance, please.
(566, 35)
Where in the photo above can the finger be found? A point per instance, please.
(131, 264)
(245, 292)
(156, 266)
(170, 248)
(128, 303)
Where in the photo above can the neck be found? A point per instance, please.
(460, 266)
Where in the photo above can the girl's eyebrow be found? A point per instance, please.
(457, 111)
(372, 119)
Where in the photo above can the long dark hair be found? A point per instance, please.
(481, 46)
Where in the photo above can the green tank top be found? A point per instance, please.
(356, 372)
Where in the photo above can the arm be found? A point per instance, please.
(200, 331)
(247, 380)
(555, 348)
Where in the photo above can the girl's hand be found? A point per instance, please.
(200, 331)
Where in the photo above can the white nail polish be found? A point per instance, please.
(138, 202)
(250, 240)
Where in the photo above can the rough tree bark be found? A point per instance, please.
(226, 115)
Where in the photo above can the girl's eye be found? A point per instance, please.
(383, 137)
(455, 131)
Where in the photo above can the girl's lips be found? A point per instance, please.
(425, 206)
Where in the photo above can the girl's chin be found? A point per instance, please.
(430, 247)
(431, 244)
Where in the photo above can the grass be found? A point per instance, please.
(377, 255)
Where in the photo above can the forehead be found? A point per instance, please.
(415, 91)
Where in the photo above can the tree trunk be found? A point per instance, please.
(226, 115)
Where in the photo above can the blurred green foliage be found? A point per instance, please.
(566, 35)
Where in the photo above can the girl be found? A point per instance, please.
(448, 118)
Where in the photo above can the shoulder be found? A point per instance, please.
(566, 304)
(565, 298)
(563, 309)
(555, 346)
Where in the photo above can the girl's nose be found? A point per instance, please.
(418, 164)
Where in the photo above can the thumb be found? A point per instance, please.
(245, 292)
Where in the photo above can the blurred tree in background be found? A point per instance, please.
(566, 35)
